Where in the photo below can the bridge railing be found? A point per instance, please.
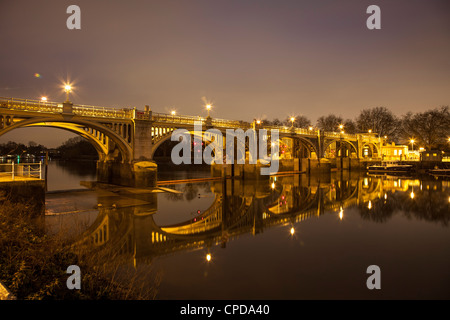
(29, 104)
(282, 129)
(285, 129)
(349, 136)
(164, 117)
(57, 107)
(108, 112)
(230, 123)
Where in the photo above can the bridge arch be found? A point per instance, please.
(166, 137)
(329, 142)
(168, 133)
(97, 134)
(308, 144)
(371, 148)
(99, 146)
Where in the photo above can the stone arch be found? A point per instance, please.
(76, 125)
(100, 147)
(329, 142)
(166, 137)
(309, 145)
(370, 146)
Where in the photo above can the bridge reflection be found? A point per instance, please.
(249, 207)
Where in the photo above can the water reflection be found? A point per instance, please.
(128, 223)
(414, 198)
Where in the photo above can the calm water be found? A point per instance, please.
(294, 237)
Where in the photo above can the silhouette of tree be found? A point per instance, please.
(428, 128)
(380, 120)
(274, 122)
(77, 148)
(299, 122)
(329, 122)
(350, 126)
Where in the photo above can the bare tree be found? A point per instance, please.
(350, 126)
(274, 122)
(299, 122)
(429, 128)
(380, 120)
(329, 123)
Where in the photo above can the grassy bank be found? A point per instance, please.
(33, 264)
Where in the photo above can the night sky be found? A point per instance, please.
(250, 58)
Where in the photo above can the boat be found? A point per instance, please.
(390, 167)
(439, 172)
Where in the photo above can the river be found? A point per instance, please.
(290, 237)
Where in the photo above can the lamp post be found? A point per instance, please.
(67, 105)
(208, 107)
(292, 120)
(67, 89)
(43, 100)
(412, 144)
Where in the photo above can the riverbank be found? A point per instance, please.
(33, 264)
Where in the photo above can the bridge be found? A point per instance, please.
(126, 139)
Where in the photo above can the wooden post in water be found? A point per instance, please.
(46, 169)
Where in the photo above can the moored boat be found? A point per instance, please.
(439, 172)
(390, 166)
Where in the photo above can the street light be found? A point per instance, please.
(208, 107)
(292, 120)
(412, 144)
(44, 99)
(67, 89)
(341, 126)
(311, 128)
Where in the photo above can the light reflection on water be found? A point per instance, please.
(295, 237)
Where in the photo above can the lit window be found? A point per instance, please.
(399, 152)
(395, 152)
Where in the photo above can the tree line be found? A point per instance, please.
(429, 129)
(20, 149)
(73, 149)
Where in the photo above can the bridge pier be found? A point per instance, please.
(139, 174)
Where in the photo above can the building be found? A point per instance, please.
(393, 152)
(431, 156)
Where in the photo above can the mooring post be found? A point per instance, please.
(46, 169)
